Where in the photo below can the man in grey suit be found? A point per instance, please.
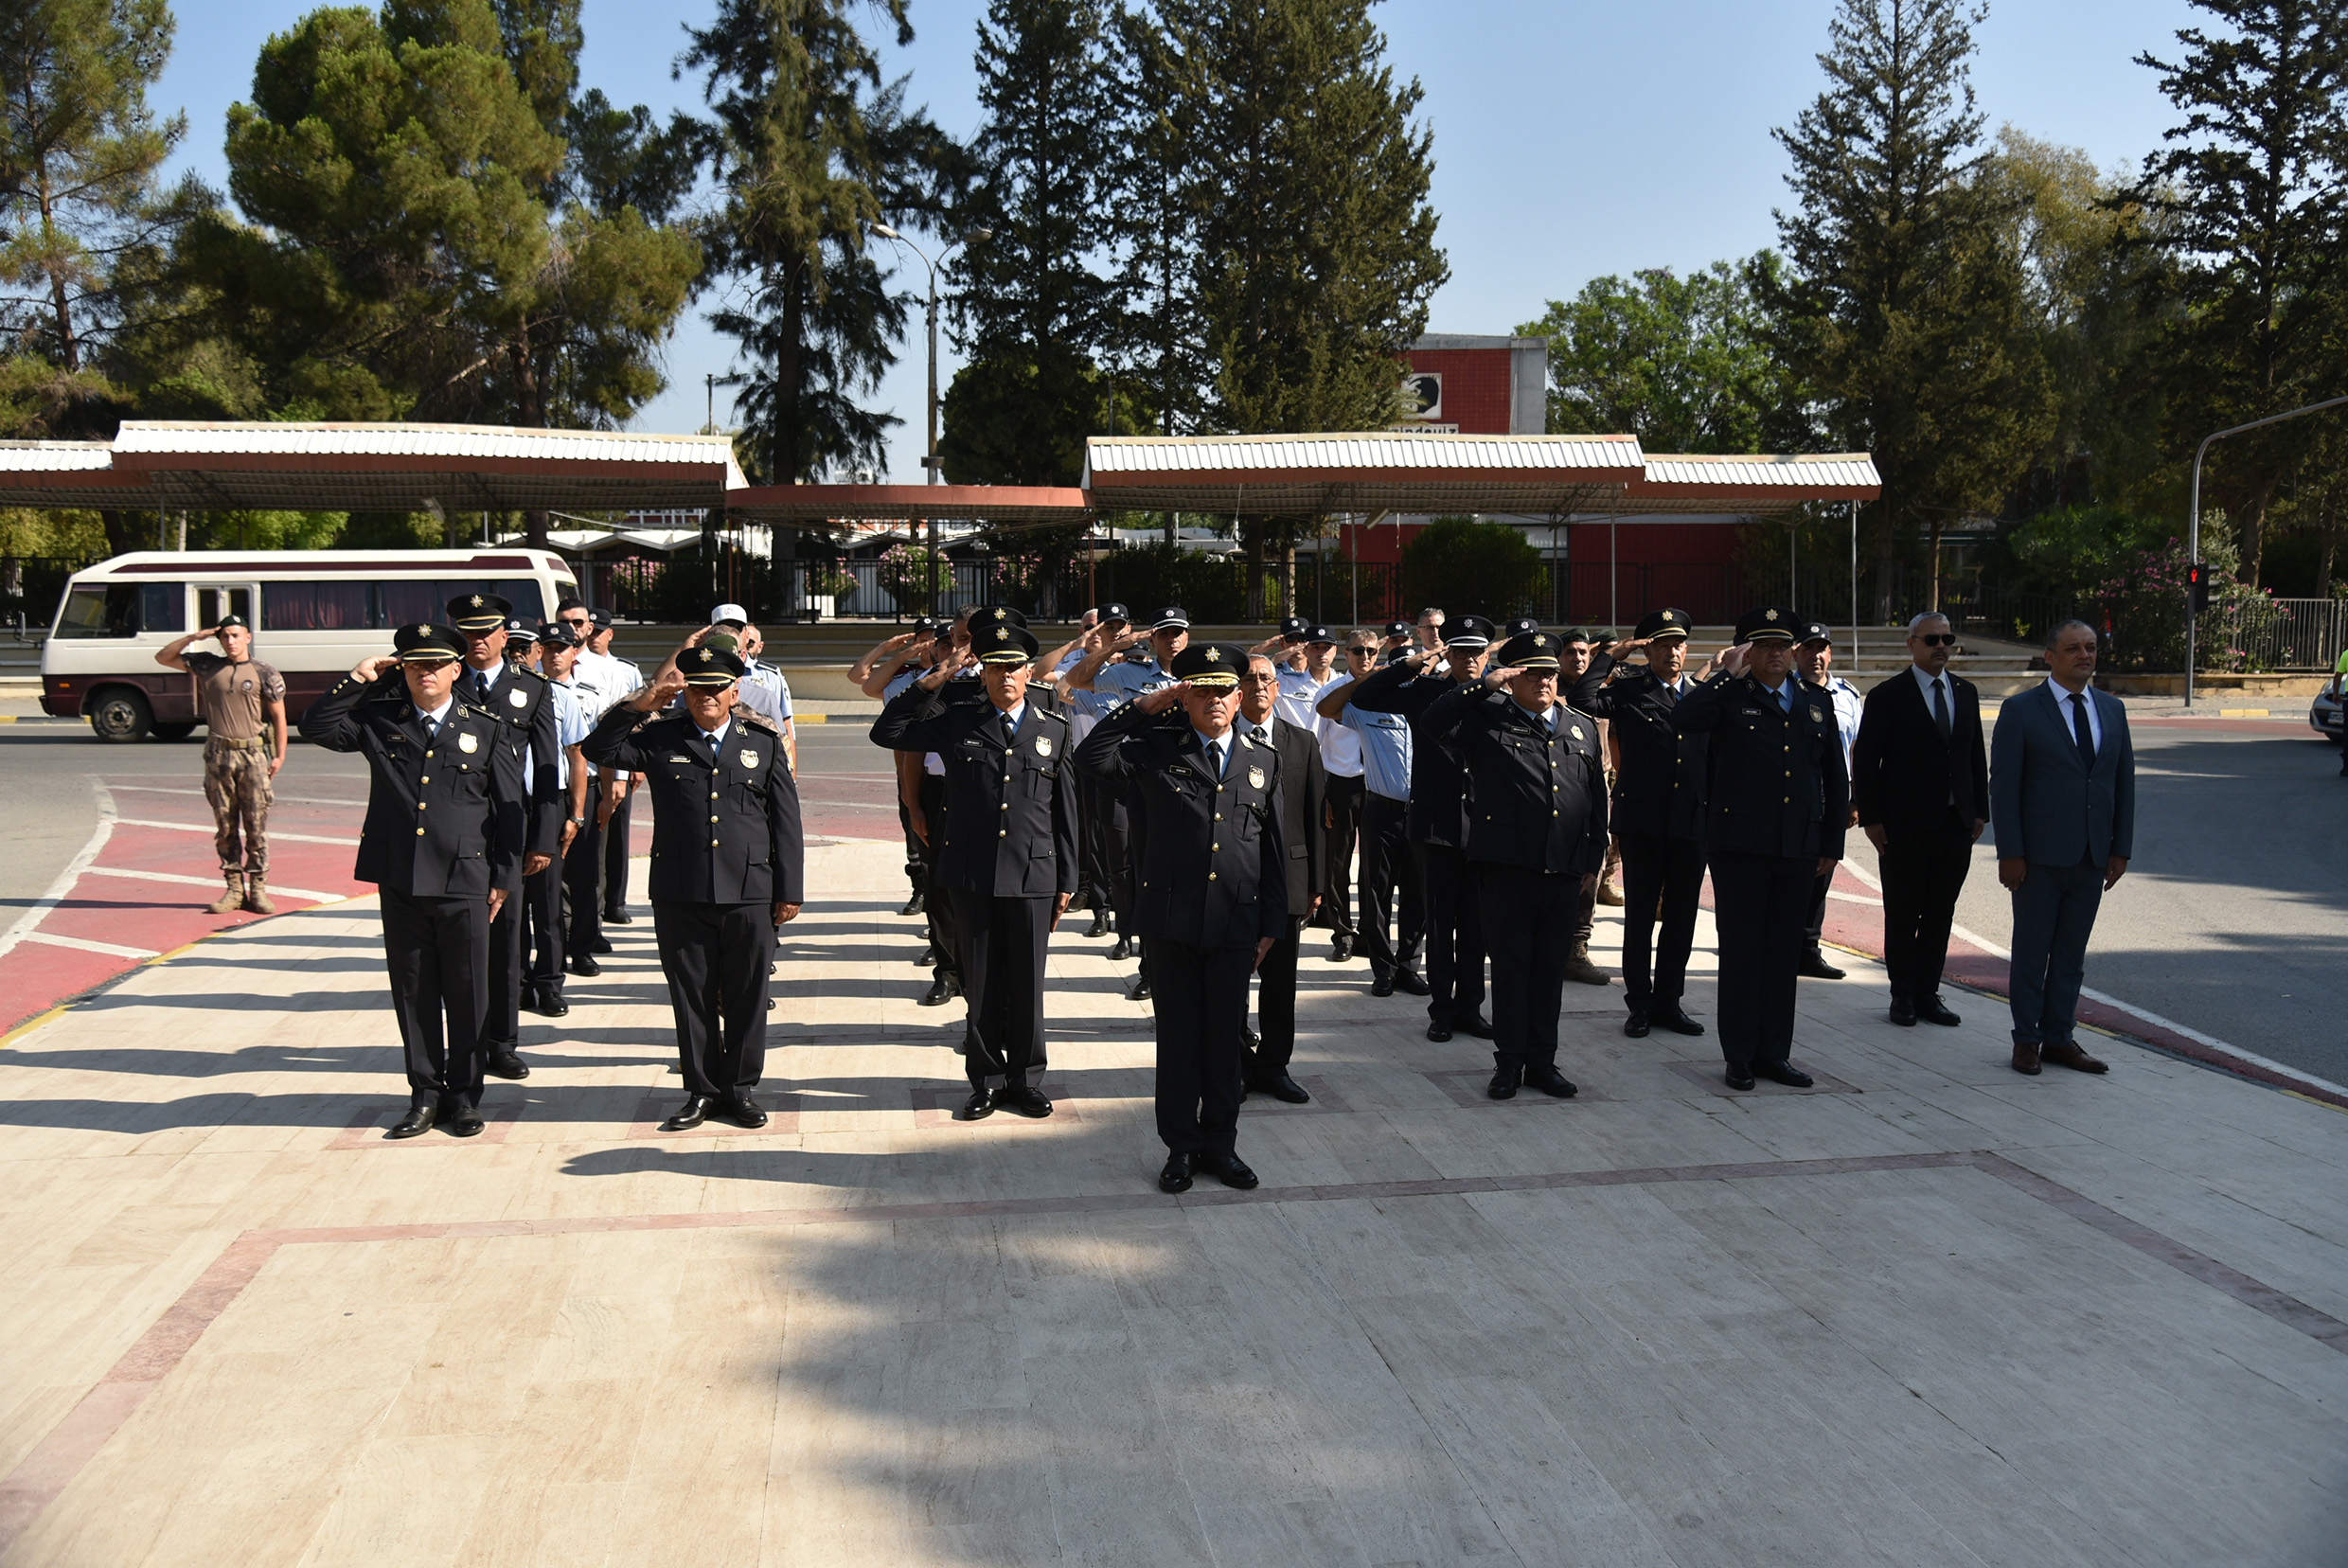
(2062, 802)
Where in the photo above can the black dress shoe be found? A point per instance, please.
(1676, 1020)
(1382, 985)
(1903, 1013)
(1023, 1098)
(507, 1065)
(1123, 949)
(584, 967)
(529, 999)
(459, 1120)
(550, 1004)
(1100, 924)
(618, 917)
(1814, 967)
(1280, 1087)
(1176, 1176)
(422, 1115)
(1141, 992)
(1475, 1026)
(740, 1110)
(694, 1111)
(1785, 1073)
(1739, 1080)
(942, 990)
(602, 945)
(1635, 1025)
(912, 905)
(1545, 1078)
(927, 958)
(1407, 979)
(1933, 1010)
(1505, 1082)
(1340, 950)
(1230, 1169)
(1439, 1030)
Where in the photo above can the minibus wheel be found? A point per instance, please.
(119, 714)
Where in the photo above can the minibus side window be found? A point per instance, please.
(314, 607)
(212, 604)
(123, 609)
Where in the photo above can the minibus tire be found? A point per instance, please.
(119, 714)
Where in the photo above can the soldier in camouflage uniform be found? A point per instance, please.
(242, 702)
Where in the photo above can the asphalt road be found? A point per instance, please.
(2233, 919)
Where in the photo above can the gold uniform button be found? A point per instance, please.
(1213, 848)
(420, 832)
(1552, 813)
(428, 755)
(421, 804)
(713, 818)
(1218, 817)
(1006, 805)
(713, 843)
(1003, 832)
(426, 780)
(1210, 876)
(713, 795)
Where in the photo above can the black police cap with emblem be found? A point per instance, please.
(426, 643)
(519, 631)
(1210, 663)
(1663, 623)
(1003, 644)
(924, 626)
(1295, 627)
(1815, 632)
(1767, 624)
(556, 634)
(1399, 628)
(996, 614)
(1519, 625)
(479, 612)
(1319, 634)
(1113, 610)
(1172, 618)
(600, 618)
(1529, 650)
(709, 666)
(1467, 633)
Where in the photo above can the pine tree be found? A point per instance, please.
(2252, 180)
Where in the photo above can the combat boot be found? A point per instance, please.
(1578, 967)
(1608, 896)
(257, 897)
(232, 901)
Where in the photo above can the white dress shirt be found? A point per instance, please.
(2087, 701)
(434, 719)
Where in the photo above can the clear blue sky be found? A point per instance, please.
(1571, 140)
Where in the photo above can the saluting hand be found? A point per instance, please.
(368, 668)
(1731, 661)
(1162, 699)
(658, 695)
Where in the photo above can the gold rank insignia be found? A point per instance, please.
(1255, 779)
(1003, 614)
(1003, 633)
(750, 758)
(1215, 656)
(467, 744)
(1541, 642)
(474, 601)
(1771, 614)
(1043, 746)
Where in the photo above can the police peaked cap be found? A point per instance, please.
(1400, 628)
(1663, 623)
(600, 618)
(518, 629)
(996, 614)
(1319, 634)
(1520, 626)
(1113, 610)
(479, 612)
(1816, 631)
(709, 666)
(1003, 643)
(1172, 618)
(556, 634)
(1210, 664)
(1767, 624)
(1530, 650)
(1295, 627)
(1467, 633)
(426, 643)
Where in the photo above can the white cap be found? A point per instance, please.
(729, 612)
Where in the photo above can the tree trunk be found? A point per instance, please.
(2253, 536)
(118, 526)
(534, 526)
(1932, 599)
(2331, 549)
(1887, 566)
(1288, 581)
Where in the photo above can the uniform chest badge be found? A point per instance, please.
(1577, 731)
(518, 698)
(467, 744)
(1255, 779)
(1043, 746)
(1818, 715)
(750, 758)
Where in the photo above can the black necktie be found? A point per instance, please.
(481, 687)
(1939, 709)
(2079, 731)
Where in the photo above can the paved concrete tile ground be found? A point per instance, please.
(1930, 1313)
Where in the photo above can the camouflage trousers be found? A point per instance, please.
(236, 781)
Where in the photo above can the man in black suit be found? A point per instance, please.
(1213, 897)
(1658, 814)
(716, 901)
(443, 844)
(1920, 779)
(1304, 787)
(1008, 856)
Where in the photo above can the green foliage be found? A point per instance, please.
(391, 531)
(2073, 552)
(1468, 567)
(1159, 573)
(1008, 421)
(63, 533)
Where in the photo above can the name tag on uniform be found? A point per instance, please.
(518, 698)
(680, 760)
(467, 744)
(750, 758)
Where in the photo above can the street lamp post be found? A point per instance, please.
(931, 468)
(2193, 547)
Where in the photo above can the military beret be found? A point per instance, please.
(1767, 624)
(226, 621)
(424, 643)
(1172, 618)
(725, 642)
(556, 634)
(1663, 623)
(1529, 650)
(518, 629)
(1002, 643)
(709, 666)
(1467, 633)
(1816, 631)
(1210, 663)
(479, 612)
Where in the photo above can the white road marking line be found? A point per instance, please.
(209, 881)
(1855, 898)
(206, 829)
(85, 945)
(277, 800)
(64, 880)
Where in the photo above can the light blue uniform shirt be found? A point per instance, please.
(1297, 692)
(765, 692)
(573, 720)
(1385, 751)
(1127, 680)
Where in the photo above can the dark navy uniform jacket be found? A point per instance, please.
(444, 811)
(1778, 786)
(1537, 796)
(1213, 869)
(1011, 809)
(725, 820)
(1658, 790)
(1438, 811)
(525, 717)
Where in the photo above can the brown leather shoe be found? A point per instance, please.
(2026, 1057)
(2069, 1055)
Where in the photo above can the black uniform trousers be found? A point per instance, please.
(1662, 883)
(1454, 932)
(543, 945)
(1344, 799)
(716, 957)
(1757, 903)
(583, 889)
(508, 968)
(1201, 996)
(438, 950)
(1104, 858)
(1390, 890)
(1922, 872)
(1814, 913)
(1004, 943)
(1275, 1004)
(615, 848)
(1528, 926)
(916, 869)
(937, 901)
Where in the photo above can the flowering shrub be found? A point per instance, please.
(906, 571)
(2143, 602)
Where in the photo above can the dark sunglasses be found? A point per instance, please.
(1365, 652)
(1937, 639)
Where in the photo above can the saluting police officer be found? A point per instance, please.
(1010, 857)
(1213, 893)
(1778, 803)
(1658, 814)
(1536, 832)
(445, 805)
(716, 904)
(517, 697)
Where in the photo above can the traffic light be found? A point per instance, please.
(2198, 586)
